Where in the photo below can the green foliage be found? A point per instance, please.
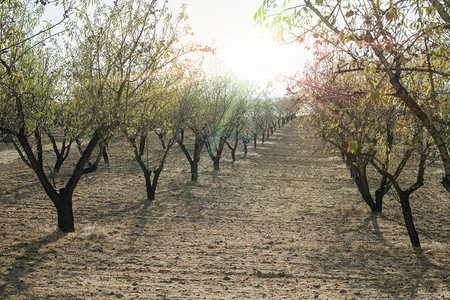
(123, 61)
(403, 47)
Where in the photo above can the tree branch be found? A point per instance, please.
(36, 34)
(441, 11)
(26, 161)
(425, 70)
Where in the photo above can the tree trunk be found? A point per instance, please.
(105, 156)
(361, 183)
(198, 146)
(236, 141)
(245, 148)
(152, 192)
(194, 171)
(39, 150)
(385, 186)
(255, 140)
(195, 159)
(151, 184)
(360, 177)
(446, 182)
(64, 210)
(234, 147)
(150, 188)
(216, 164)
(233, 154)
(218, 149)
(142, 142)
(379, 200)
(409, 222)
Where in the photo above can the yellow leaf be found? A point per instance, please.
(352, 147)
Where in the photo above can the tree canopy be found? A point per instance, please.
(403, 43)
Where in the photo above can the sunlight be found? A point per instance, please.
(262, 61)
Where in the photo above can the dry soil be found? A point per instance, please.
(286, 222)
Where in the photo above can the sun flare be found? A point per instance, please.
(262, 61)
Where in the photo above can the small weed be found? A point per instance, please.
(92, 232)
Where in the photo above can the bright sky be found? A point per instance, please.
(245, 48)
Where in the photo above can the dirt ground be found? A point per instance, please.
(284, 223)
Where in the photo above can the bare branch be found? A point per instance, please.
(36, 34)
(378, 69)
(26, 161)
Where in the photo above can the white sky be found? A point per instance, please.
(245, 47)
(226, 21)
(241, 43)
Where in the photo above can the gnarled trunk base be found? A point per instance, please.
(65, 212)
(194, 171)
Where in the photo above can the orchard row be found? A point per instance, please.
(378, 89)
(125, 69)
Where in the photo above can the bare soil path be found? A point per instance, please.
(283, 223)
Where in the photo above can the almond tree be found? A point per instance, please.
(191, 97)
(252, 119)
(403, 40)
(161, 120)
(238, 118)
(224, 110)
(108, 63)
(421, 147)
(29, 80)
(342, 115)
(261, 116)
(369, 129)
(144, 48)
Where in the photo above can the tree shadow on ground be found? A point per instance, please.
(25, 263)
(401, 270)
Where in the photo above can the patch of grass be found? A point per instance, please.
(92, 232)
